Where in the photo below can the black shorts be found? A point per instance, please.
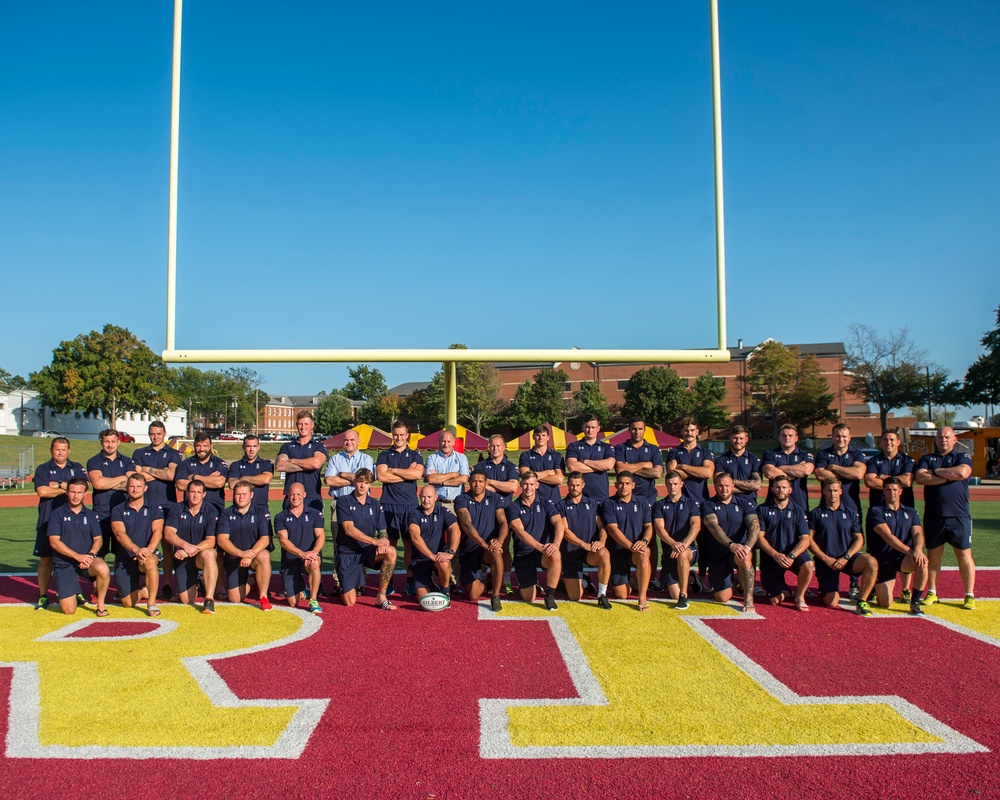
(621, 567)
(668, 568)
(720, 570)
(42, 547)
(772, 575)
(888, 566)
(956, 531)
(233, 575)
(423, 575)
(829, 579)
(526, 568)
(471, 567)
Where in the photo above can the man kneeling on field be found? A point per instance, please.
(484, 539)
(137, 527)
(629, 525)
(74, 533)
(301, 535)
(362, 543)
(189, 528)
(434, 536)
(784, 544)
(583, 541)
(536, 542)
(897, 545)
(244, 535)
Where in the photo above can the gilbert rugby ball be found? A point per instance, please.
(435, 601)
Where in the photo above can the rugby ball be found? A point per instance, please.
(435, 601)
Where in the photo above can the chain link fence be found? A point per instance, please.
(17, 465)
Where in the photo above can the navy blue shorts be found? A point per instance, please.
(186, 574)
(234, 575)
(772, 575)
(42, 547)
(573, 563)
(397, 519)
(106, 537)
(956, 531)
(526, 568)
(127, 576)
(351, 566)
(67, 577)
(888, 566)
(668, 569)
(720, 571)
(294, 576)
(621, 567)
(471, 567)
(829, 579)
(424, 573)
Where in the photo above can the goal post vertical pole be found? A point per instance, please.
(175, 117)
(720, 217)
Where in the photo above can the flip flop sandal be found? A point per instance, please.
(102, 612)
(644, 607)
(153, 611)
(387, 605)
(801, 606)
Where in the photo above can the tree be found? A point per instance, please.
(333, 414)
(657, 396)
(538, 400)
(382, 411)
(886, 370)
(589, 399)
(982, 380)
(479, 387)
(365, 383)
(11, 383)
(808, 402)
(708, 394)
(110, 371)
(771, 370)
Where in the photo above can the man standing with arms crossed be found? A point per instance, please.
(592, 458)
(447, 470)
(108, 471)
(947, 519)
(252, 469)
(501, 479)
(795, 464)
(743, 465)
(340, 472)
(206, 467)
(398, 469)
(302, 461)
(546, 464)
(889, 463)
(51, 483)
(158, 465)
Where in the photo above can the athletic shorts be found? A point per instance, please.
(397, 522)
(67, 577)
(186, 573)
(351, 566)
(471, 567)
(621, 567)
(720, 570)
(42, 547)
(668, 567)
(888, 566)
(829, 579)
(772, 575)
(127, 575)
(956, 531)
(526, 568)
(424, 573)
(233, 575)
(294, 576)
(106, 537)
(573, 563)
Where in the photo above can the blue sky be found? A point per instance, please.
(520, 175)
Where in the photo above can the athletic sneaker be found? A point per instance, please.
(864, 610)
(654, 586)
(314, 607)
(265, 604)
(854, 591)
(550, 603)
(167, 592)
(603, 602)
(682, 603)
(307, 594)
(80, 599)
(209, 606)
(495, 603)
(930, 599)
(697, 585)
(508, 590)
(906, 596)
(42, 604)
(970, 603)
(410, 590)
(917, 610)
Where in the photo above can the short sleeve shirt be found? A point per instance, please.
(366, 517)
(192, 528)
(852, 489)
(252, 469)
(301, 529)
(311, 479)
(117, 467)
(138, 524)
(832, 530)
(800, 486)
(433, 527)
(504, 471)
(483, 515)
(158, 493)
(629, 454)
(581, 519)
(950, 499)
(456, 462)
(537, 462)
(782, 527)
(696, 488)
(405, 492)
(732, 518)
(536, 522)
(741, 467)
(676, 515)
(47, 473)
(342, 462)
(885, 467)
(595, 483)
(901, 523)
(244, 529)
(193, 468)
(631, 518)
(76, 530)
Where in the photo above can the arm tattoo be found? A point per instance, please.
(712, 523)
(753, 529)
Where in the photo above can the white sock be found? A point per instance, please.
(602, 588)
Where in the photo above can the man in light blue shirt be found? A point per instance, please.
(340, 471)
(447, 470)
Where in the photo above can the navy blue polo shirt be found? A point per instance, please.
(312, 479)
(852, 489)
(252, 469)
(158, 493)
(244, 529)
(76, 530)
(695, 488)
(901, 523)
(47, 473)
(535, 519)
(740, 467)
(833, 531)
(885, 467)
(405, 492)
(732, 517)
(117, 467)
(676, 515)
(581, 519)
(193, 468)
(138, 524)
(782, 527)
(779, 458)
(483, 515)
(301, 529)
(628, 454)
(366, 517)
(432, 529)
(536, 462)
(950, 499)
(504, 471)
(595, 484)
(192, 528)
(630, 518)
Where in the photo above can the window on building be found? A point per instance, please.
(622, 385)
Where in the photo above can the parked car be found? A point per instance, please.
(127, 438)
(47, 434)
(238, 434)
(267, 437)
(226, 437)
